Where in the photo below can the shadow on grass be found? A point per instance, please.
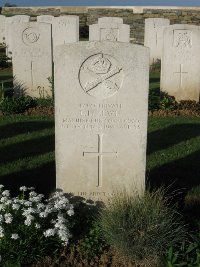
(154, 79)
(27, 148)
(42, 178)
(13, 129)
(170, 136)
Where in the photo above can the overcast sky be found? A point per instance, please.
(102, 2)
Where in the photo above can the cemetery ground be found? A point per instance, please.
(173, 155)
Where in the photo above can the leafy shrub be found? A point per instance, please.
(17, 105)
(154, 99)
(31, 227)
(189, 104)
(187, 255)
(92, 244)
(167, 102)
(141, 227)
(45, 102)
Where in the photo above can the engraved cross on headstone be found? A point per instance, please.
(100, 155)
(181, 72)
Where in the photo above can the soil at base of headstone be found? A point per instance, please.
(74, 258)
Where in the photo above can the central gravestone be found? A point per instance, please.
(2, 29)
(101, 101)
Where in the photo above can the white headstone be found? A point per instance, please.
(101, 102)
(32, 59)
(109, 29)
(65, 30)
(45, 18)
(181, 62)
(153, 36)
(9, 26)
(2, 29)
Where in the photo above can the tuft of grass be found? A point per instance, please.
(141, 227)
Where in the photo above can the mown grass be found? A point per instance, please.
(27, 151)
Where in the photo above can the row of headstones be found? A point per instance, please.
(31, 45)
(173, 44)
(178, 48)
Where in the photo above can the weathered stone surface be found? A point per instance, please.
(109, 29)
(9, 26)
(32, 58)
(153, 36)
(101, 102)
(45, 18)
(181, 62)
(65, 29)
(2, 29)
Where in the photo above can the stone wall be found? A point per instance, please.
(134, 16)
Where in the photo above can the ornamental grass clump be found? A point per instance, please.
(141, 227)
(32, 227)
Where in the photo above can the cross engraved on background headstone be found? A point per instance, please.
(181, 72)
(100, 155)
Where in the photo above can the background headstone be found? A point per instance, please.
(153, 36)
(32, 59)
(180, 66)
(45, 18)
(109, 29)
(101, 102)
(9, 26)
(2, 29)
(65, 29)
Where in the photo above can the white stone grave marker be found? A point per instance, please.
(10, 26)
(65, 30)
(45, 18)
(153, 36)
(109, 29)
(101, 102)
(2, 29)
(181, 62)
(32, 59)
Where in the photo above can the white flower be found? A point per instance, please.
(1, 232)
(1, 186)
(37, 226)
(15, 206)
(6, 193)
(15, 236)
(33, 194)
(49, 232)
(1, 218)
(28, 220)
(23, 188)
(27, 203)
(70, 212)
(40, 206)
(2, 207)
(43, 214)
(4, 199)
(8, 218)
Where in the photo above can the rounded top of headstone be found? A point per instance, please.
(110, 20)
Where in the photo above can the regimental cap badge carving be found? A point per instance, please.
(100, 65)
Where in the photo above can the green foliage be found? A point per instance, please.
(44, 102)
(32, 227)
(167, 102)
(4, 61)
(16, 105)
(86, 231)
(154, 99)
(156, 66)
(187, 255)
(92, 244)
(141, 227)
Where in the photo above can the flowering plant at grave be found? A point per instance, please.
(32, 227)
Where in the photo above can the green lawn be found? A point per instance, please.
(27, 152)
